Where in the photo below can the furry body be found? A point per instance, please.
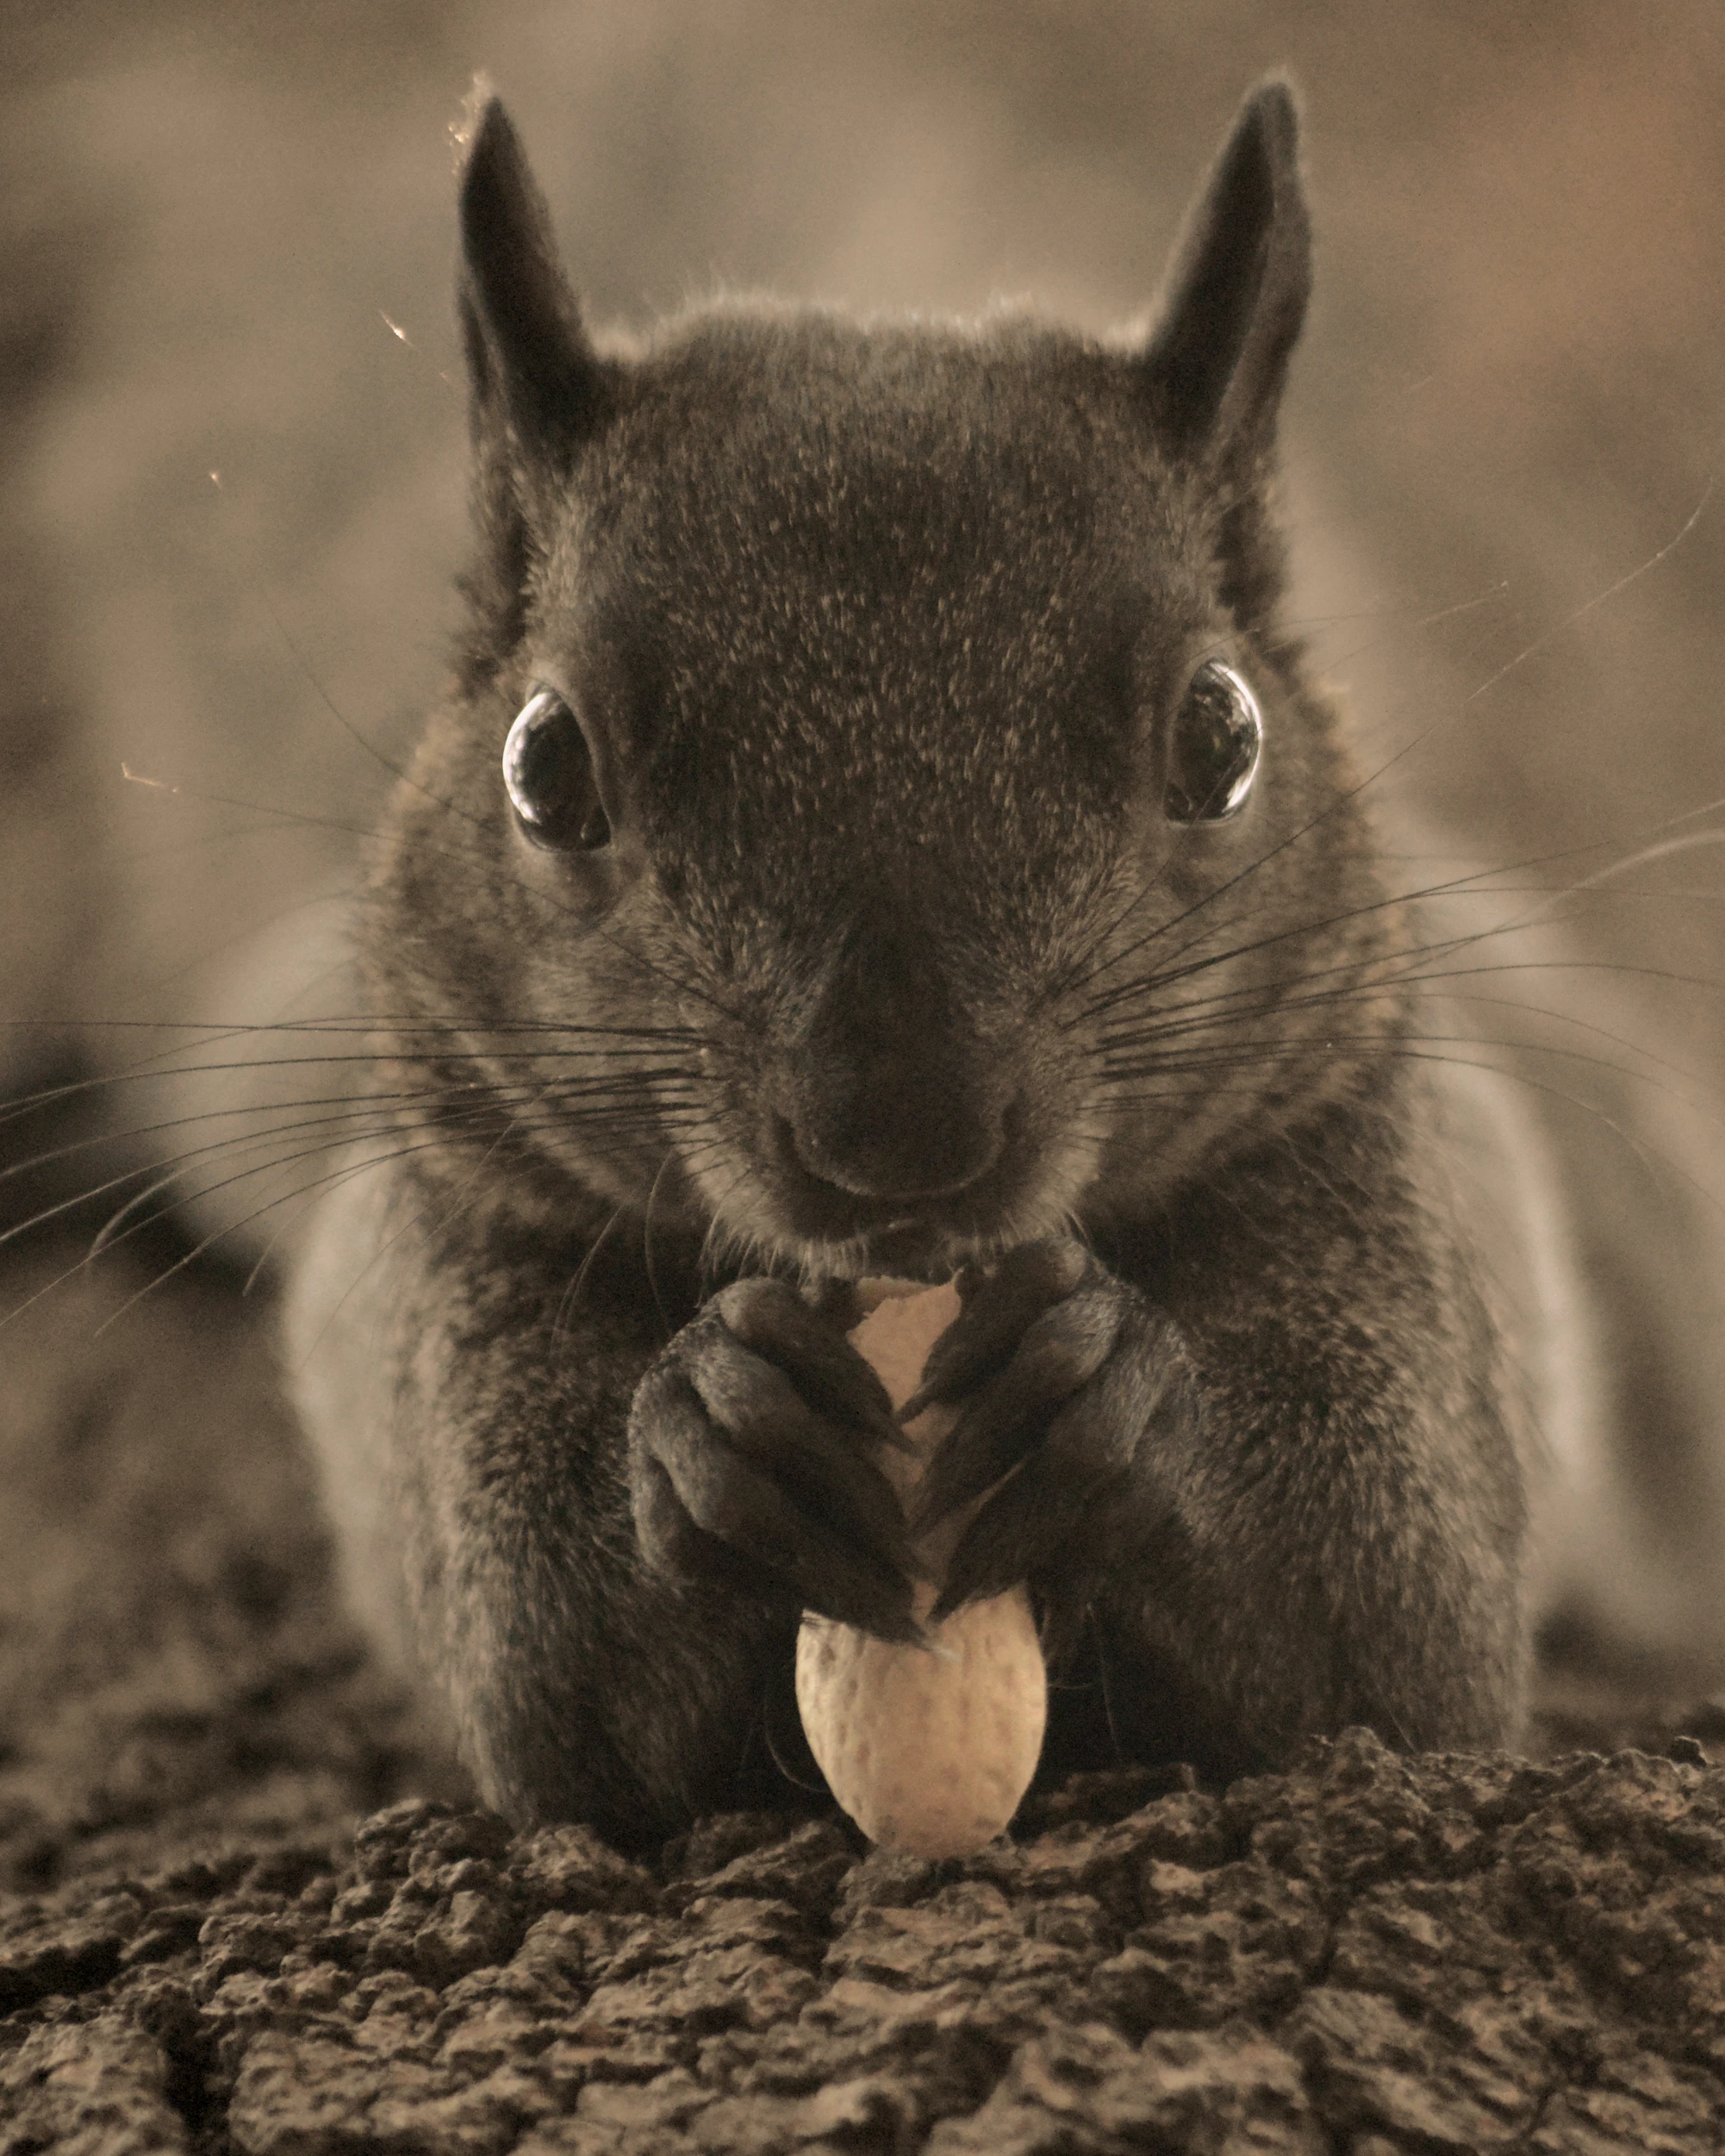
(880, 641)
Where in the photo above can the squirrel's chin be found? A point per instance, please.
(906, 1250)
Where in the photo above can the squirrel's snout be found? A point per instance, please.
(900, 1157)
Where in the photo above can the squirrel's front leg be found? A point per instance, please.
(470, 1406)
(1278, 1521)
(754, 1441)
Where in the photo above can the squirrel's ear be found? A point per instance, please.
(529, 362)
(1219, 355)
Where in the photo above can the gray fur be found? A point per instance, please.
(894, 963)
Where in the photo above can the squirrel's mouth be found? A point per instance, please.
(865, 1198)
(767, 1193)
(925, 1233)
(837, 1234)
(915, 1249)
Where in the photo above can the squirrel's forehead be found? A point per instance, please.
(920, 542)
(795, 553)
(904, 451)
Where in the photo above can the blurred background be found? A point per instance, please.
(226, 248)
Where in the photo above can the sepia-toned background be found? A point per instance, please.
(226, 249)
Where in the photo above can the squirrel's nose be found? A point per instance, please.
(907, 1153)
(886, 1091)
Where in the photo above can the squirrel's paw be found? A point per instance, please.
(749, 1461)
(1066, 1381)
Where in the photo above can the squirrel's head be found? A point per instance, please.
(859, 726)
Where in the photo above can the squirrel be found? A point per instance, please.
(879, 824)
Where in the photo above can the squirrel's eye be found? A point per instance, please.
(1214, 750)
(548, 768)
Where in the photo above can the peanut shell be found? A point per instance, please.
(930, 1749)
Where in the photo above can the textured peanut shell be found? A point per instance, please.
(930, 1749)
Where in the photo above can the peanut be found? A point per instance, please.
(930, 1749)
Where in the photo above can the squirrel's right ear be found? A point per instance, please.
(1219, 356)
(530, 365)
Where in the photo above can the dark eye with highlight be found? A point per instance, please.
(1217, 740)
(548, 769)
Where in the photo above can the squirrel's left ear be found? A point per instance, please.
(530, 365)
(1236, 297)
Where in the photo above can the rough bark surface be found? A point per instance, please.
(208, 1946)
(1367, 1954)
